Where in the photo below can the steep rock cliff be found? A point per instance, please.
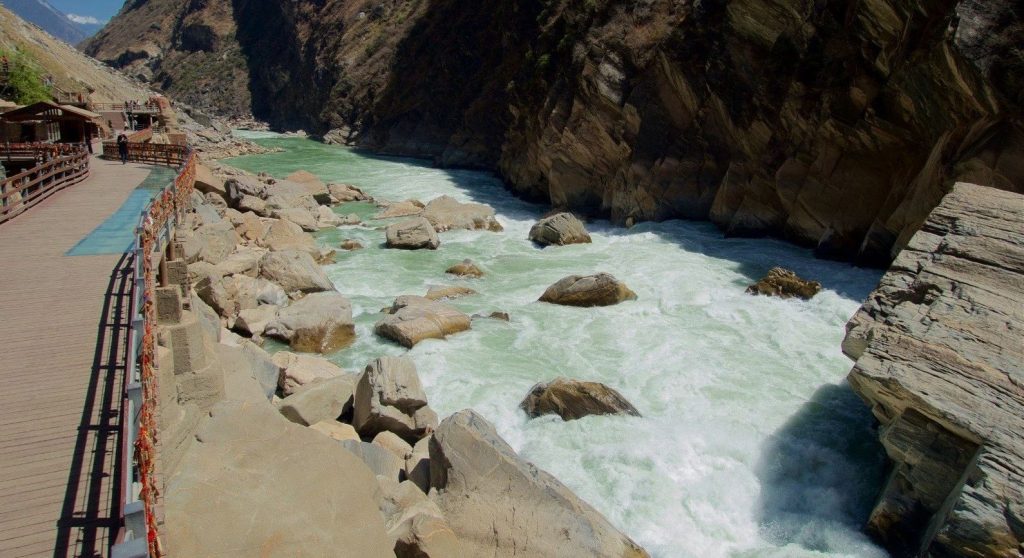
(940, 360)
(838, 124)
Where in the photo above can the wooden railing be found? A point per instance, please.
(151, 153)
(140, 535)
(62, 166)
(140, 108)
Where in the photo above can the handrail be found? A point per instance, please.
(139, 108)
(153, 153)
(60, 167)
(139, 430)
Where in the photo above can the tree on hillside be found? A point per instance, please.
(20, 80)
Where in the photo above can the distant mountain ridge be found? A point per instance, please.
(52, 20)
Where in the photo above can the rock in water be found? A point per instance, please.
(344, 193)
(465, 268)
(350, 244)
(242, 491)
(593, 290)
(573, 399)
(559, 229)
(318, 323)
(501, 505)
(446, 213)
(939, 360)
(784, 283)
(405, 208)
(412, 234)
(415, 318)
(442, 292)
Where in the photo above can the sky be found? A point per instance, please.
(101, 10)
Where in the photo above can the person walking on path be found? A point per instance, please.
(122, 147)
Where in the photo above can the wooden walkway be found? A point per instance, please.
(63, 324)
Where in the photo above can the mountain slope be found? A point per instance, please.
(71, 70)
(838, 124)
(51, 20)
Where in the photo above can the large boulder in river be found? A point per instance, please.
(412, 234)
(559, 229)
(592, 290)
(446, 213)
(317, 323)
(415, 318)
(389, 398)
(295, 272)
(344, 193)
(312, 185)
(390, 210)
(255, 484)
(784, 283)
(573, 399)
(501, 505)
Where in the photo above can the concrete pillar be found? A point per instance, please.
(168, 305)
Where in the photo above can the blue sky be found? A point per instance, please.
(102, 10)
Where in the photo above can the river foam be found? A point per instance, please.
(750, 443)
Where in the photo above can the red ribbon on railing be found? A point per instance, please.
(173, 201)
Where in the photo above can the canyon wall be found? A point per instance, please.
(835, 124)
(939, 358)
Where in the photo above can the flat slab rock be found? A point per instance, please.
(415, 318)
(241, 491)
(940, 359)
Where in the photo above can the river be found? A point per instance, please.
(750, 444)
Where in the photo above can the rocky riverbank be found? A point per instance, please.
(939, 359)
(291, 455)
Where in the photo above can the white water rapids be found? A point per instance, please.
(749, 445)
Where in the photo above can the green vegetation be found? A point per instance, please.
(21, 81)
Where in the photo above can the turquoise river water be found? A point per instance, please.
(750, 444)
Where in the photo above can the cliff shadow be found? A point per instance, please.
(821, 473)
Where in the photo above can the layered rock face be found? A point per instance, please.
(940, 360)
(837, 124)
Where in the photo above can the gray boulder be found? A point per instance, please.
(412, 234)
(318, 323)
(320, 400)
(416, 524)
(573, 399)
(295, 272)
(232, 294)
(446, 213)
(284, 236)
(304, 218)
(559, 229)
(211, 243)
(501, 505)
(309, 507)
(592, 290)
(415, 318)
(387, 398)
(382, 462)
(298, 370)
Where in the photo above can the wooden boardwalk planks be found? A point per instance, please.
(62, 324)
